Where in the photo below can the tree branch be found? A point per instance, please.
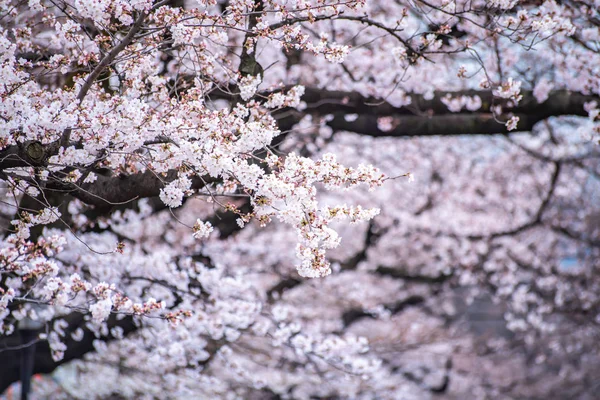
(112, 190)
(109, 58)
(426, 117)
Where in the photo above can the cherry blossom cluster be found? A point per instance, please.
(192, 283)
(290, 195)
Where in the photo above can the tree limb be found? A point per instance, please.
(427, 117)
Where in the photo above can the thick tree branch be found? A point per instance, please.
(426, 117)
(28, 154)
(113, 190)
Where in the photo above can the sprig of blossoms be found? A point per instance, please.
(202, 229)
(511, 124)
(290, 195)
(511, 89)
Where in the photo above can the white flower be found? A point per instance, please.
(77, 335)
(385, 124)
(502, 4)
(399, 53)
(511, 124)
(47, 216)
(101, 310)
(90, 178)
(32, 191)
(337, 53)
(248, 86)
(172, 194)
(511, 89)
(202, 229)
